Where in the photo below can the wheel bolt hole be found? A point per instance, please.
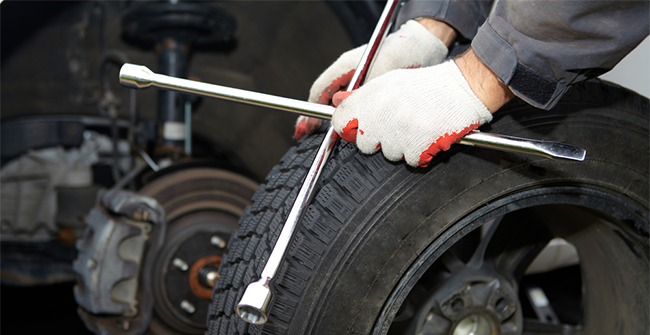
(457, 304)
(501, 305)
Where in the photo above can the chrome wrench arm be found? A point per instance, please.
(254, 304)
(548, 149)
(138, 76)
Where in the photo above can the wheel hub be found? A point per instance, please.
(203, 274)
(472, 302)
(188, 267)
(474, 324)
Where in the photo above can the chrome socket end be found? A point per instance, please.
(254, 304)
(136, 76)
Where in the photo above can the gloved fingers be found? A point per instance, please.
(367, 143)
(343, 120)
(412, 46)
(391, 150)
(441, 144)
(335, 77)
(338, 97)
(410, 114)
(338, 84)
(306, 126)
(349, 130)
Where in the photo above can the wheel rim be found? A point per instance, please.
(202, 209)
(448, 291)
(177, 301)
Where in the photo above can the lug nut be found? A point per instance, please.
(188, 307)
(457, 304)
(207, 276)
(218, 242)
(501, 305)
(180, 264)
(211, 277)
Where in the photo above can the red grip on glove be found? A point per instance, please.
(306, 126)
(336, 85)
(443, 144)
(339, 97)
(349, 132)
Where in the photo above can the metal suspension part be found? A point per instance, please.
(114, 287)
(173, 29)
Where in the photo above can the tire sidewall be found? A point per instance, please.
(413, 208)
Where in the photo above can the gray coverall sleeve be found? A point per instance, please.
(464, 15)
(540, 48)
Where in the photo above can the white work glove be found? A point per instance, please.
(410, 114)
(412, 46)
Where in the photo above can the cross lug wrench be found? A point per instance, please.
(254, 304)
(140, 77)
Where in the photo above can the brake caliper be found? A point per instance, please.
(114, 278)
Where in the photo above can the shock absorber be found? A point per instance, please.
(172, 30)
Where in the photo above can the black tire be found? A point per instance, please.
(378, 235)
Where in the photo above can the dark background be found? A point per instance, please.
(279, 48)
(40, 310)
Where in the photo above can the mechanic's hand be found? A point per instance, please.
(412, 46)
(410, 114)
